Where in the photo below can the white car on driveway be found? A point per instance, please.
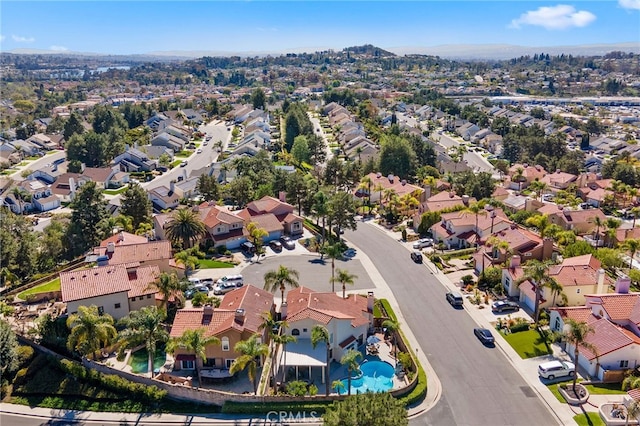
(422, 243)
(552, 369)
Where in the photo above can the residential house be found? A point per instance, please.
(615, 339)
(163, 198)
(391, 184)
(238, 318)
(168, 140)
(521, 176)
(444, 200)
(578, 221)
(292, 224)
(349, 322)
(115, 289)
(134, 160)
(151, 253)
(43, 141)
(458, 229)
(223, 227)
(26, 148)
(558, 180)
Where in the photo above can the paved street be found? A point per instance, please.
(473, 159)
(479, 384)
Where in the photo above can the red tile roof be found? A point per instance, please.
(576, 313)
(576, 271)
(124, 239)
(607, 338)
(104, 280)
(304, 303)
(149, 251)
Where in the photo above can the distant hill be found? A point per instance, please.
(370, 50)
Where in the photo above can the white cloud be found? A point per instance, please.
(629, 4)
(557, 17)
(58, 48)
(21, 39)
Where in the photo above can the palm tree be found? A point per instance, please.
(284, 339)
(541, 223)
(186, 259)
(344, 278)
(538, 273)
(8, 278)
(168, 286)
(257, 234)
(185, 228)
(556, 290)
(338, 385)
(539, 187)
(635, 211)
(280, 280)
(194, 341)
(251, 349)
(476, 209)
(577, 336)
(633, 410)
(518, 176)
(90, 331)
(144, 326)
(612, 226)
(319, 333)
(392, 328)
(631, 245)
(365, 183)
(333, 252)
(598, 223)
(350, 360)
(273, 328)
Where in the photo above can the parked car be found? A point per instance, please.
(248, 247)
(349, 253)
(505, 305)
(275, 245)
(191, 291)
(552, 369)
(287, 242)
(184, 163)
(416, 256)
(422, 243)
(226, 287)
(454, 298)
(199, 151)
(484, 335)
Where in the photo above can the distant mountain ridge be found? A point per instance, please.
(452, 51)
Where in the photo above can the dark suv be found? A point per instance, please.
(505, 306)
(416, 256)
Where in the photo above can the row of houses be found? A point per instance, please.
(350, 133)
(12, 152)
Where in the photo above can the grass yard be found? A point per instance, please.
(115, 191)
(528, 344)
(213, 264)
(53, 285)
(600, 389)
(589, 418)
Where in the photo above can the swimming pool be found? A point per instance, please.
(376, 376)
(140, 361)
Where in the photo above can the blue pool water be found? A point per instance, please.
(377, 376)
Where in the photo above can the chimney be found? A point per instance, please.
(465, 200)
(370, 300)
(172, 186)
(111, 247)
(239, 317)
(72, 187)
(121, 236)
(515, 261)
(378, 175)
(600, 289)
(622, 284)
(283, 310)
(390, 177)
(547, 248)
(404, 182)
(282, 196)
(207, 310)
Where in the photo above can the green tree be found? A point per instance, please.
(208, 187)
(300, 149)
(258, 99)
(393, 328)
(351, 360)
(576, 336)
(106, 118)
(320, 334)
(251, 351)
(185, 228)
(609, 257)
(397, 157)
(631, 246)
(73, 126)
(368, 409)
(8, 348)
(341, 211)
(257, 234)
(321, 209)
(333, 252)
(90, 331)
(186, 259)
(135, 203)
(195, 341)
(169, 287)
(344, 278)
(537, 273)
(89, 208)
(144, 327)
(280, 280)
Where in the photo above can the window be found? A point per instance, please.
(140, 297)
(133, 299)
(331, 338)
(100, 310)
(116, 306)
(624, 363)
(148, 296)
(507, 282)
(188, 365)
(295, 332)
(577, 291)
(229, 362)
(210, 362)
(556, 325)
(225, 343)
(304, 330)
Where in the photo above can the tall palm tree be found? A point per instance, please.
(476, 209)
(195, 341)
(251, 349)
(186, 259)
(351, 361)
(379, 188)
(612, 227)
(321, 209)
(392, 328)
(542, 223)
(168, 286)
(185, 227)
(333, 252)
(631, 245)
(635, 211)
(556, 290)
(284, 339)
(577, 336)
(518, 176)
(257, 234)
(538, 273)
(273, 327)
(90, 331)
(344, 278)
(144, 326)
(365, 183)
(319, 333)
(280, 280)
(598, 223)
(633, 410)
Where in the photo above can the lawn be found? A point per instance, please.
(528, 344)
(600, 389)
(213, 264)
(115, 191)
(589, 418)
(53, 285)
(175, 163)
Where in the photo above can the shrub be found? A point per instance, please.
(24, 355)
(467, 279)
(313, 390)
(297, 388)
(519, 324)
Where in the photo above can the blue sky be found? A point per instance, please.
(124, 27)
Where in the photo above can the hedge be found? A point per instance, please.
(387, 309)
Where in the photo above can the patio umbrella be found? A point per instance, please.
(373, 339)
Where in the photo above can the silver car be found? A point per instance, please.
(422, 243)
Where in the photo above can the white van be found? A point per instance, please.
(228, 283)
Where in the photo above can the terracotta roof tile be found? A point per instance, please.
(149, 251)
(301, 299)
(124, 239)
(607, 338)
(104, 280)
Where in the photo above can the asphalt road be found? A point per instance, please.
(314, 274)
(479, 385)
(473, 159)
